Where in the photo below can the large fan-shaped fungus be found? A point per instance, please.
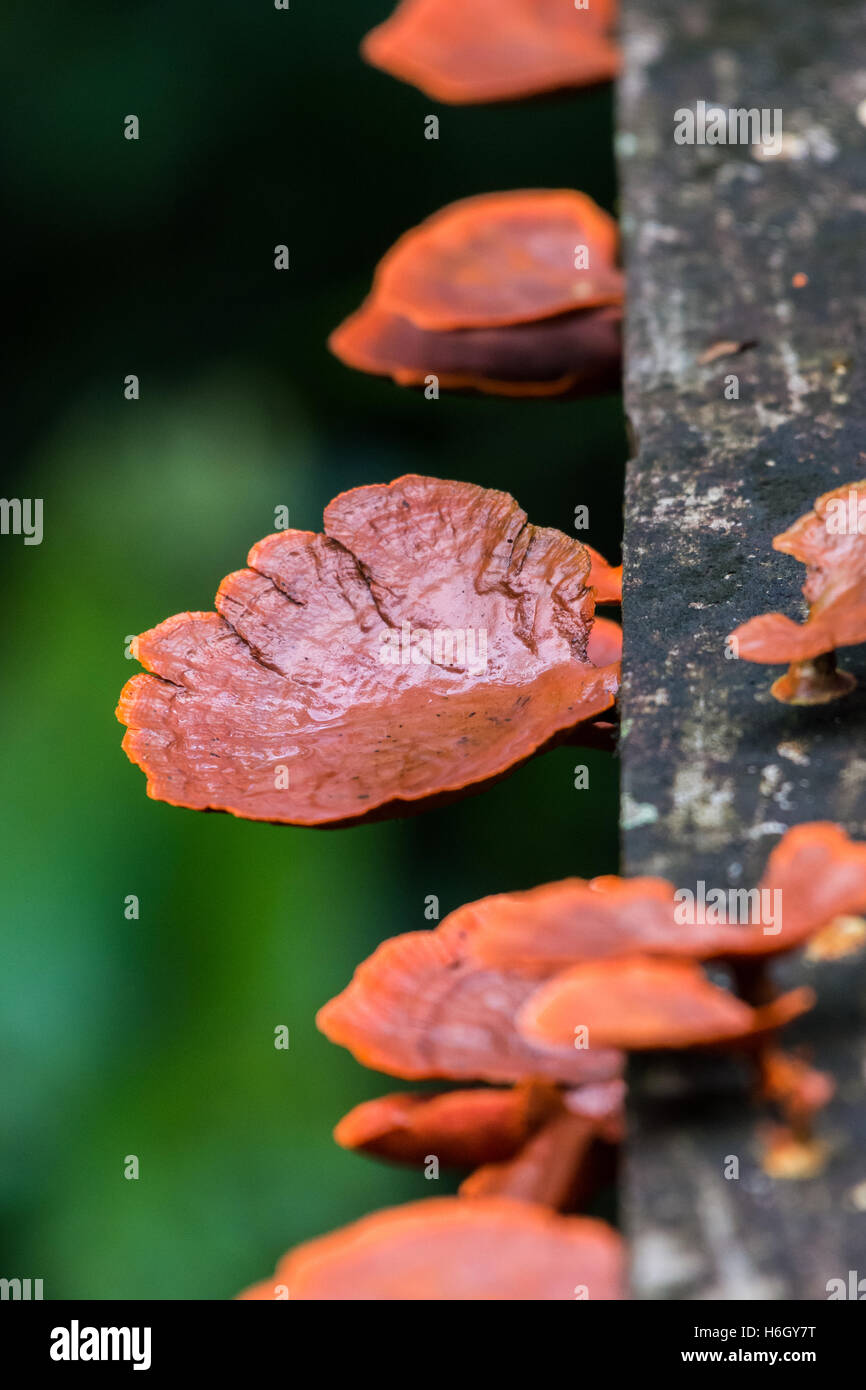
(512, 293)
(470, 51)
(831, 542)
(429, 641)
(451, 1248)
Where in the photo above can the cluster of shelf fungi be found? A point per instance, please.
(532, 1003)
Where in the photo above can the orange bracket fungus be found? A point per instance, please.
(463, 1128)
(499, 990)
(472, 51)
(815, 877)
(831, 542)
(606, 579)
(453, 1248)
(640, 1003)
(549, 988)
(423, 1006)
(506, 293)
(615, 957)
(428, 642)
(535, 1142)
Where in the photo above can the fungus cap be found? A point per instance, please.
(471, 51)
(829, 541)
(638, 1003)
(452, 1248)
(499, 259)
(422, 1007)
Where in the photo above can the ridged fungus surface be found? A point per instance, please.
(429, 641)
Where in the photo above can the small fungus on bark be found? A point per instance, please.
(831, 542)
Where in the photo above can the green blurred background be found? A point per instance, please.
(155, 1037)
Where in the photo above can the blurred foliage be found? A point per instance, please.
(155, 1037)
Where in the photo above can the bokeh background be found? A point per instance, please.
(155, 1037)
